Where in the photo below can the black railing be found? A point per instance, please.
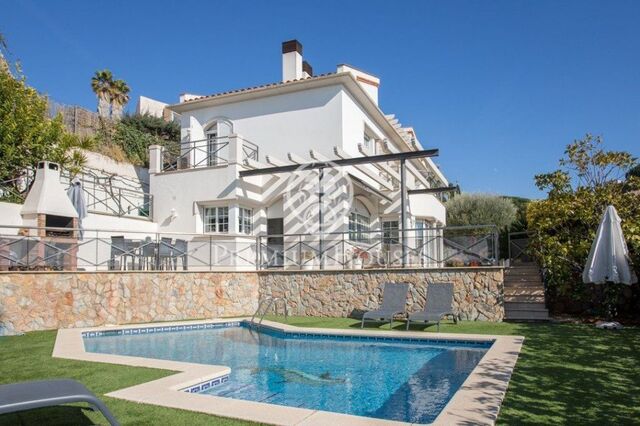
(518, 244)
(196, 154)
(421, 247)
(104, 193)
(66, 249)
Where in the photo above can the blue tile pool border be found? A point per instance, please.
(159, 329)
(207, 384)
(287, 334)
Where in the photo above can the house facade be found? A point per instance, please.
(244, 191)
(304, 118)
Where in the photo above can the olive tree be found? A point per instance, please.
(481, 209)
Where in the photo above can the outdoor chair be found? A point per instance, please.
(165, 253)
(148, 254)
(438, 304)
(48, 393)
(180, 250)
(394, 300)
(118, 251)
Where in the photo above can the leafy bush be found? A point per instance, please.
(564, 225)
(27, 134)
(129, 139)
(480, 209)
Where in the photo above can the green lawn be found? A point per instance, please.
(567, 374)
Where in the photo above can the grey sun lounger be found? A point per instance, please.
(438, 305)
(394, 300)
(48, 393)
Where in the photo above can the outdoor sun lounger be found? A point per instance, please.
(394, 300)
(48, 393)
(438, 305)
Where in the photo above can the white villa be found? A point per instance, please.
(265, 178)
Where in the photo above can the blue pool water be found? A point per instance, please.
(395, 379)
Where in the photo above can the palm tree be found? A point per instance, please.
(101, 84)
(119, 98)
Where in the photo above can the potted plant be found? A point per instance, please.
(307, 260)
(360, 257)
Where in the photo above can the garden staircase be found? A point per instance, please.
(524, 293)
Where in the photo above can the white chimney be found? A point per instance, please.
(47, 196)
(291, 60)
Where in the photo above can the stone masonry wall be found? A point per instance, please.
(38, 301)
(51, 300)
(478, 292)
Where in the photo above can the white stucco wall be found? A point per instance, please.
(279, 124)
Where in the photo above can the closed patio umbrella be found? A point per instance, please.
(608, 259)
(608, 263)
(76, 195)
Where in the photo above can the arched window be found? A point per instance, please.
(359, 222)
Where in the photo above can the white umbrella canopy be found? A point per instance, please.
(608, 259)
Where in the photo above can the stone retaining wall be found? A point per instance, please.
(51, 300)
(478, 292)
(38, 301)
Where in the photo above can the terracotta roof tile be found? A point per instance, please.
(263, 86)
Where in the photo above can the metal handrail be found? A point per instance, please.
(270, 301)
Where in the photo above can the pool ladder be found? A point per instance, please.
(267, 303)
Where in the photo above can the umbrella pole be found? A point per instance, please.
(611, 296)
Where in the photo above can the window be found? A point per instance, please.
(390, 234)
(358, 227)
(369, 142)
(359, 222)
(420, 234)
(216, 219)
(245, 221)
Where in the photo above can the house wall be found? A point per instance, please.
(294, 122)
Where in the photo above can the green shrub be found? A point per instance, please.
(480, 209)
(564, 225)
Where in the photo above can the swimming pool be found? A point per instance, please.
(401, 379)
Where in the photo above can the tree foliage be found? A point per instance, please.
(130, 138)
(586, 165)
(112, 94)
(27, 134)
(481, 209)
(564, 225)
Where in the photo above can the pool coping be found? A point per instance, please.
(477, 401)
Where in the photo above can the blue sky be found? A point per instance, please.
(500, 87)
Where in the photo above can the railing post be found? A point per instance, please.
(496, 248)
(403, 206)
(257, 254)
(299, 251)
(344, 255)
(95, 263)
(320, 227)
(210, 252)
(155, 159)
(260, 251)
(157, 251)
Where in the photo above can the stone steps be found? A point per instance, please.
(524, 294)
(525, 290)
(524, 298)
(526, 315)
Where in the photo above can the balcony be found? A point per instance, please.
(211, 152)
